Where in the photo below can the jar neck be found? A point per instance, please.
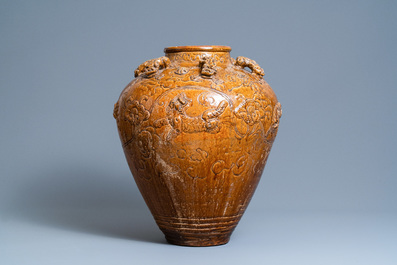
(190, 56)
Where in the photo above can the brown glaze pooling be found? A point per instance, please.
(197, 127)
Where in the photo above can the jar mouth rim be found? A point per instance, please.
(201, 48)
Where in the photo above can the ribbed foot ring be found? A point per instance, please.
(197, 232)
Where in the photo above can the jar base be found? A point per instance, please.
(198, 240)
(198, 232)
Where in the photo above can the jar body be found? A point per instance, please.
(196, 129)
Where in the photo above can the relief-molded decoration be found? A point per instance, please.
(207, 65)
(250, 112)
(197, 131)
(220, 58)
(181, 122)
(135, 112)
(277, 113)
(151, 67)
(116, 110)
(181, 71)
(251, 64)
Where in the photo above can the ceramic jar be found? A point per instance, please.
(197, 127)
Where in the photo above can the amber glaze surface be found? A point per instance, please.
(197, 127)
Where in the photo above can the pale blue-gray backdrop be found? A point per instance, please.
(329, 188)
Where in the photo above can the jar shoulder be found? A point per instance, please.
(235, 83)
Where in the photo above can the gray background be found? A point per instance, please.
(328, 194)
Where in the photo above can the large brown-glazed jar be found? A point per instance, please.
(197, 128)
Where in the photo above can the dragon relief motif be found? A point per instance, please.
(208, 121)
